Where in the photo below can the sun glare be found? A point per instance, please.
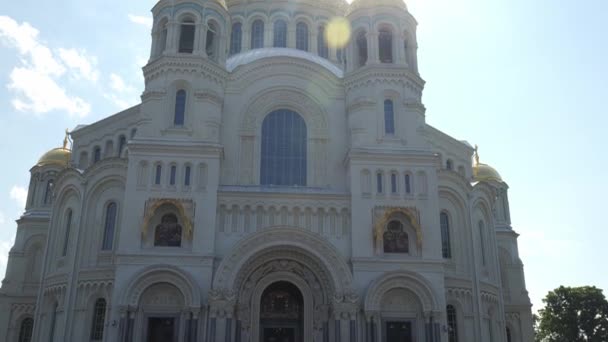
(338, 32)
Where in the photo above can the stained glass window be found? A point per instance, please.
(284, 149)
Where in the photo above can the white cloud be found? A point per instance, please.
(19, 194)
(141, 20)
(35, 81)
(83, 65)
(124, 95)
(118, 84)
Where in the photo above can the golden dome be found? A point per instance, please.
(484, 172)
(58, 156)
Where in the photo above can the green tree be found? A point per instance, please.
(573, 314)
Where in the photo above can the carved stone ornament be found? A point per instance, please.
(184, 207)
(383, 215)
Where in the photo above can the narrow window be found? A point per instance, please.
(186, 37)
(68, 227)
(187, 173)
(48, 192)
(446, 249)
(408, 184)
(109, 226)
(97, 154)
(25, 332)
(379, 181)
(99, 316)
(172, 175)
(211, 42)
(322, 47)
(361, 49)
(122, 142)
(158, 174)
(452, 324)
(385, 45)
(180, 108)
(393, 183)
(302, 36)
(509, 338)
(236, 38)
(280, 34)
(482, 242)
(257, 34)
(389, 117)
(449, 165)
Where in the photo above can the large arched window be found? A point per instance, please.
(395, 238)
(322, 47)
(180, 108)
(361, 42)
(236, 38)
(257, 34)
(186, 36)
(109, 226)
(212, 43)
(280, 34)
(385, 45)
(25, 331)
(169, 232)
(284, 149)
(68, 227)
(99, 316)
(389, 117)
(446, 249)
(452, 324)
(302, 36)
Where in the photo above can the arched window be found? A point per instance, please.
(284, 149)
(509, 338)
(389, 117)
(408, 184)
(187, 174)
(280, 34)
(236, 38)
(48, 192)
(180, 108)
(446, 248)
(385, 45)
(212, 43)
(322, 47)
(68, 227)
(394, 187)
(302, 36)
(361, 49)
(449, 164)
(122, 142)
(379, 183)
(109, 226)
(186, 36)
(257, 34)
(395, 238)
(482, 242)
(168, 233)
(25, 331)
(96, 154)
(172, 175)
(158, 174)
(99, 316)
(452, 324)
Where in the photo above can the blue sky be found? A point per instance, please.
(526, 80)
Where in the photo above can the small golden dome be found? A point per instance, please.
(58, 156)
(484, 172)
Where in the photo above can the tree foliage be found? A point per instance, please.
(573, 314)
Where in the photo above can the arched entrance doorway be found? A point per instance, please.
(282, 313)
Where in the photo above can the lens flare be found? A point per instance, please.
(337, 33)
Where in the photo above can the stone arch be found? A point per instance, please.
(162, 274)
(400, 279)
(282, 238)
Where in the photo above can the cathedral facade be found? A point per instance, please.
(277, 182)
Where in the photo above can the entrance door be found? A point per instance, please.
(399, 332)
(161, 329)
(282, 313)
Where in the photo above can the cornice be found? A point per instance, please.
(155, 146)
(384, 73)
(185, 64)
(385, 155)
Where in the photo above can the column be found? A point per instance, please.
(345, 315)
(172, 37)
(200, 39)
(372, 48)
